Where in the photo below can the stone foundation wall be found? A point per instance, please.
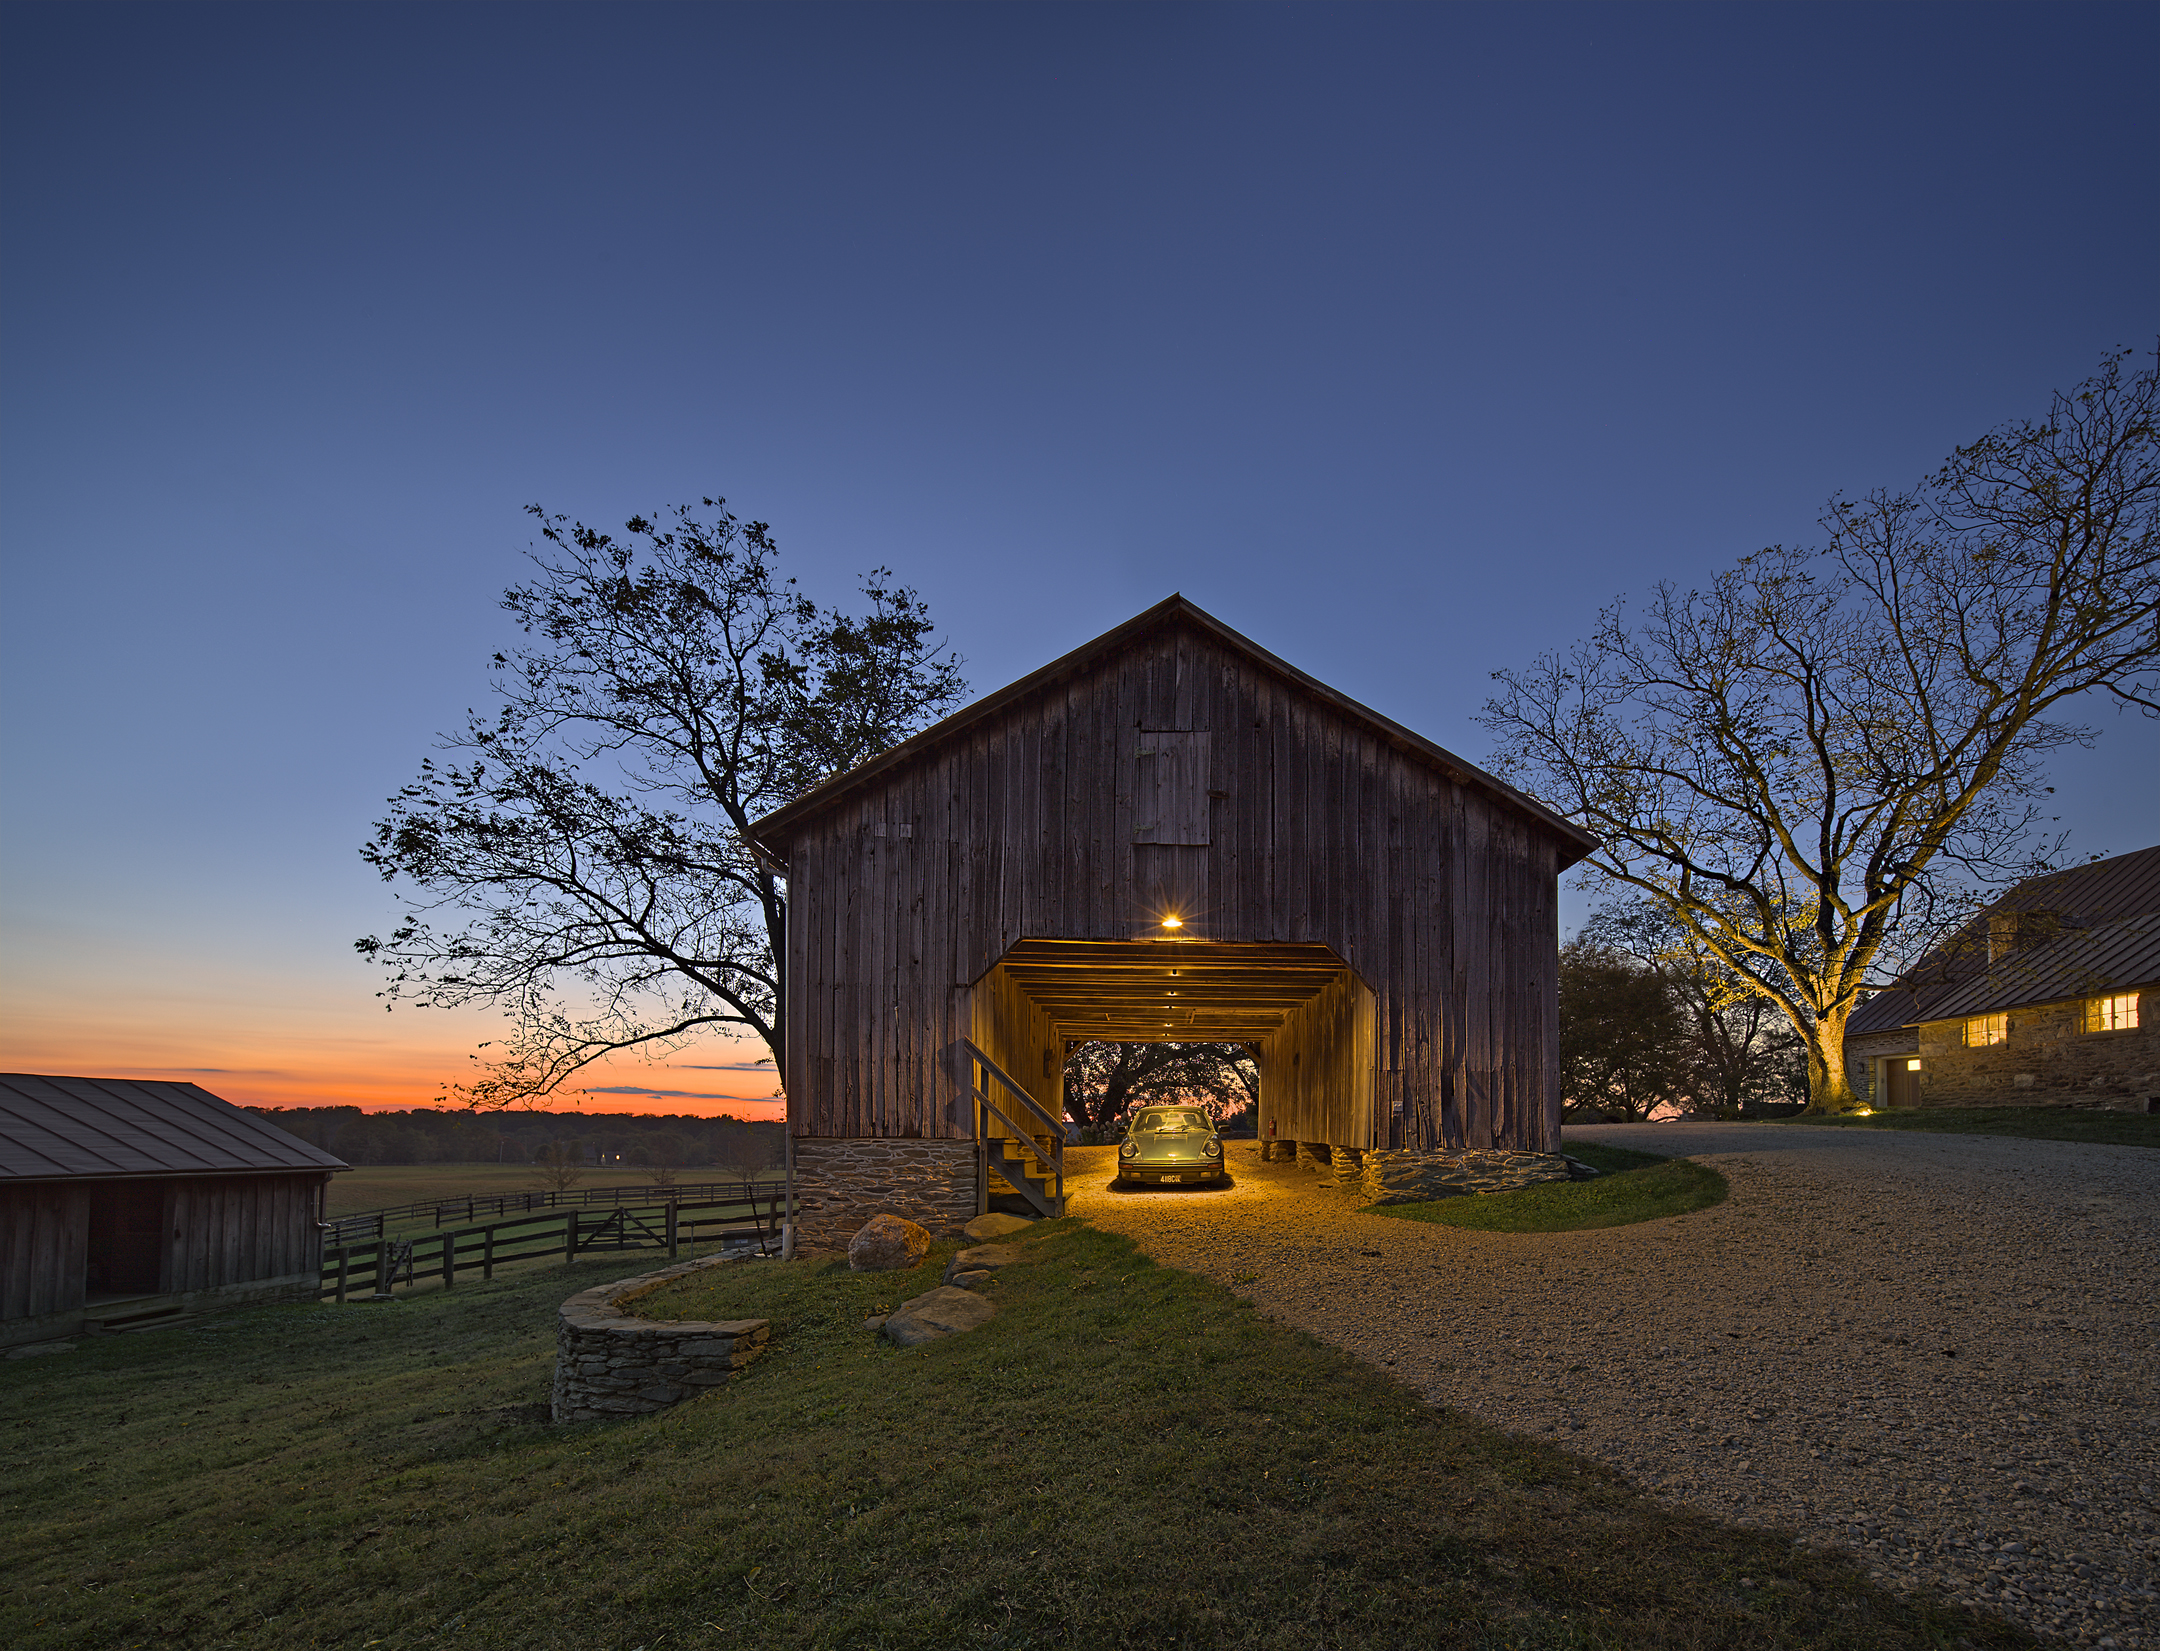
(2048, 1059)
(1313, 1154)
(609, 1363)
(1393, 1177)
(840, 1184)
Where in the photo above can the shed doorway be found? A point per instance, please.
(127, 1221)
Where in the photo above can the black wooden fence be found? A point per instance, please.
(378, 1265)
(469, 1207)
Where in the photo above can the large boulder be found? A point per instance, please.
(945, 1311)
(996, 1225)
(887, 1244)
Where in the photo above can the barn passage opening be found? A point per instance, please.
(1306, 1012)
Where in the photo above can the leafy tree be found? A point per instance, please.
(1741, 1051)
(1623, 1045)
(1105, 1081)
(585, 847)
(1818, 763)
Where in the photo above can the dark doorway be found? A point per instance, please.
(127, 1218)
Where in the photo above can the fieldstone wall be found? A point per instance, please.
(610, 1363)
(2048, 1059)
(840, 1184)
(1393, 1177)
(1313, 1154)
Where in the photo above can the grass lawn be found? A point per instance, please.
(380, 1186)
(2031, 1123)
(1127, 1456)
(1635, 1186)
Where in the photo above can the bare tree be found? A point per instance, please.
(1816, 763)
(559, 1166)
(1739, 1049)
(1105, 1081)
(588, 842)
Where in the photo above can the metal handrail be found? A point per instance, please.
(1054, 1159)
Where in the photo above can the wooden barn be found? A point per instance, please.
(1168, 835)
(124, 1204)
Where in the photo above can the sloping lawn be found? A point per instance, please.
(2029, 1123)
(1127, 1456)
(1634, 1186)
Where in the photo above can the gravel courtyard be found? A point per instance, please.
(1941, 1351)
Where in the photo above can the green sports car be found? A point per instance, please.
(1167, 1144)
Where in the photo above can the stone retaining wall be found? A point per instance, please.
(1393, 1177)
(840, 1184)
(610, 1363)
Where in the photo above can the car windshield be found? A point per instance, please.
(1168, 1119)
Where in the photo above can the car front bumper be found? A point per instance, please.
(1200, 1170)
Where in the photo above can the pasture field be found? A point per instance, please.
(1127, 1455)
(2030, 1123)
(378, 1186)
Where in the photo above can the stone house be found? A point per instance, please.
(2049, 997)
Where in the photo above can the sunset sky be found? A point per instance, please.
(1399, 337)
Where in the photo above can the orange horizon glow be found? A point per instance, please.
(274, 1048)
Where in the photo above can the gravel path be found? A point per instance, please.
(1939, 1351)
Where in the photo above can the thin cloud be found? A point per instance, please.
(670, 1094)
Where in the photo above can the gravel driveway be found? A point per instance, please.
(1937, 1350)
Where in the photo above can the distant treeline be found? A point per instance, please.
(634, 1140)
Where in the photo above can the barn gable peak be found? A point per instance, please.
(773, 831)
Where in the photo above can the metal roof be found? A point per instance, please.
(59, 1128)
(2105, 936)
(773, 830)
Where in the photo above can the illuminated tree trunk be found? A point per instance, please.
(1829, 1088)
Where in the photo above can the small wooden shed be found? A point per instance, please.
(1168, 835)
(123, 1203)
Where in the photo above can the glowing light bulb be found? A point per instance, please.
(1173, 921)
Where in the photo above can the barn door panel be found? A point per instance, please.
(1170, 788)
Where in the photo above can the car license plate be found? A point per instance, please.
(1173, 1178)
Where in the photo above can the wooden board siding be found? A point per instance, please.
(1318, 1079)
(230, 1229)
(44, 1248)
(1437, 894)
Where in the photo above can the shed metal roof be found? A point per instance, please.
(2106, 937)
(773, 830)
(61, 1128)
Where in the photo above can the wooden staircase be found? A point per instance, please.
(1016, 1140)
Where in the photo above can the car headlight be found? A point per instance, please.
(1128, 1149)
(1213, 1149)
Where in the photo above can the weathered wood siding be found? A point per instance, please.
(1319, 1075)
(231, 1229)
(1008, 1026)
(1070, 815)
(44, 1247)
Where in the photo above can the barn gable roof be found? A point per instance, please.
(61, 1128)
(771, 832)
(2104, 934)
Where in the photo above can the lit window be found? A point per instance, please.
(1912, 1066)
(1983, 1030)
(2112, 1014)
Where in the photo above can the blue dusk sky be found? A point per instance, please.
(1400, 337)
